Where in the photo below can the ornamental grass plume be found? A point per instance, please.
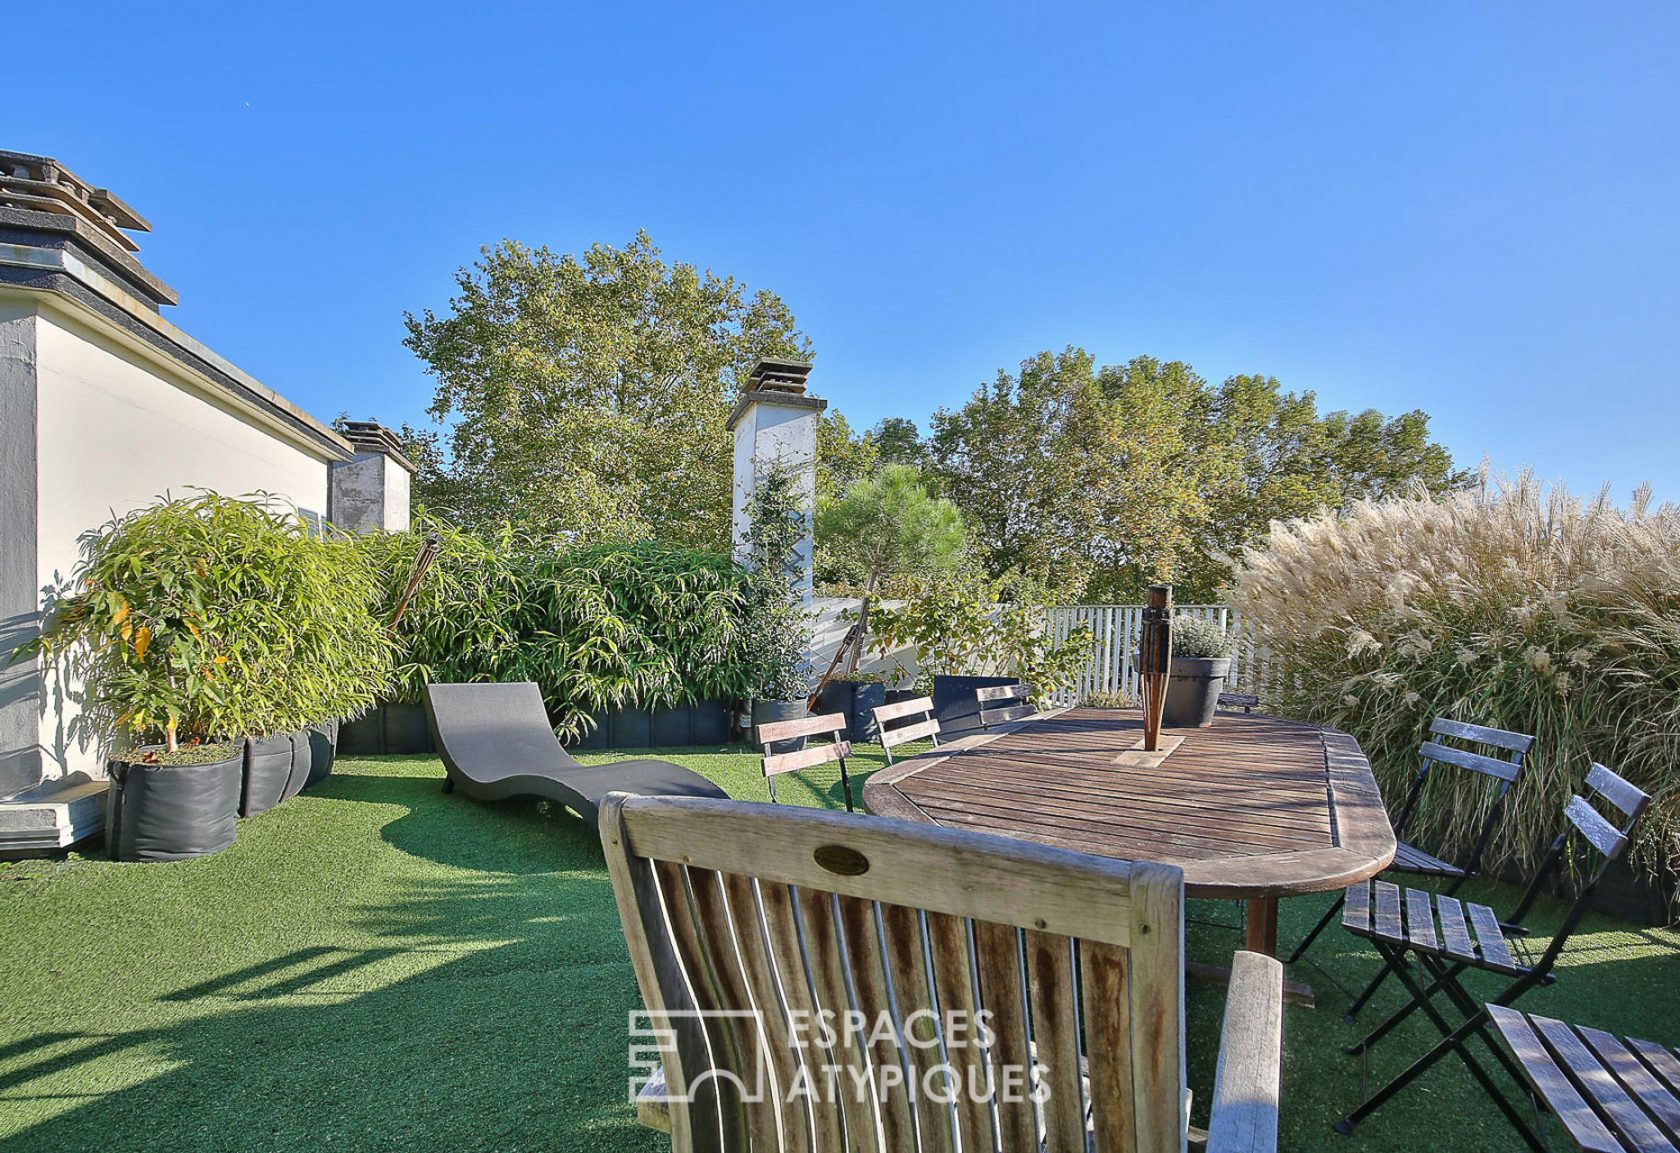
(1515, 605)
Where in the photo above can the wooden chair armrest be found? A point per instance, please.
(1245, 1087)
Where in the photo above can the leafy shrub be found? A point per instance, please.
(1517, 607)
(963, 627)
(208, 617)
(609, 626)
(1106, 700)
(1199, 637)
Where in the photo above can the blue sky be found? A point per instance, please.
(1470, 209)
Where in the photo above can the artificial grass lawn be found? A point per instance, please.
(378, 965)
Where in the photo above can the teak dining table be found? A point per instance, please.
(1253, 807)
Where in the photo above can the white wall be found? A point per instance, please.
(770, 433)
(116, 431)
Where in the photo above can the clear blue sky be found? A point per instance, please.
(1469, 208)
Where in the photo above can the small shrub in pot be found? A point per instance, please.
(1201, 660)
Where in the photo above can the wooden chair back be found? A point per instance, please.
(1503, 765)
(838, 748)
(746, 923)
(1016, 704)
(891, 738)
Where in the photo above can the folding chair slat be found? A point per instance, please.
(1658, 1101)
(953, 979)
(1626, 797)
(1388, 912)
(777, 763)
(1455, 934)
(863, 951)
(1356, 908)
(818, 917)
(1001, 693)
(907, 964)
(1475, 762)
(1605, 1092)
(1662, 1062)
(991, 717)
(997, 950)
(892, 738)
(1055, 1030)
(1411, 859)
(1420, 919)
(1495, 952)
(1482, 735)
(783, 1059)
(1550, 1082)
(1604, 836)
(899, 709)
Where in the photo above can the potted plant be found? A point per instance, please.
(775, 632)
(1201, 660)
(191, 624)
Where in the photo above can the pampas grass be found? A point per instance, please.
(1515, 605)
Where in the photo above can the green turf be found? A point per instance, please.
(377, 965)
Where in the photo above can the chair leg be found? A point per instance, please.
(771, 783)
(1452, 1040)
(449, 784)
(1365, 996)
(1395, 1018)
(1323, 924)
(846, 782)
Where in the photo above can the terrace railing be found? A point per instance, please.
(1111, 667)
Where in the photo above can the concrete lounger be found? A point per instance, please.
(496, 743)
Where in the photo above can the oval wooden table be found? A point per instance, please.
(1253, 807)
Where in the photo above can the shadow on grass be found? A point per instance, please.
(482, 1006)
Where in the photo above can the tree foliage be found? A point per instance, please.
(1099, 482)
(588, 394)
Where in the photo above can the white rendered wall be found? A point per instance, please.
(115, 432)
(768, 433)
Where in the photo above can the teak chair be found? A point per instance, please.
(984, 971)
(1504, 772)
(833, 725)
(1434, 930)
(928, 726)
(1016, 704)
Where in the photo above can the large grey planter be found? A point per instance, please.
(321, 749)
(1193, 687)
(768, 712)
(171, 812)
(857, 701)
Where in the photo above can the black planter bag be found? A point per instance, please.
(323, 750)
(171, 812)
(268, 769)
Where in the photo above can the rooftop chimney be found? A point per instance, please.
(42, 184)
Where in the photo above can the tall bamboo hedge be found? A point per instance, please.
(602, 627)
(1515, 606)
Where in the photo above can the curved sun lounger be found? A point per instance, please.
(496, 743)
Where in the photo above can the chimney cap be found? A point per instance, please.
(777, 374)
(371, 436)
(43, 184)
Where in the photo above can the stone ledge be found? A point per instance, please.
(52, 815)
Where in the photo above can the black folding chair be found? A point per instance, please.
(1408, 858)
(1435, 931)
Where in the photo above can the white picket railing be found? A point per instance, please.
(1115, 629)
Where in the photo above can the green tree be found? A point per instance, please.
(898, 441)
(889, 527)
(587, 395)
(1098, 483)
